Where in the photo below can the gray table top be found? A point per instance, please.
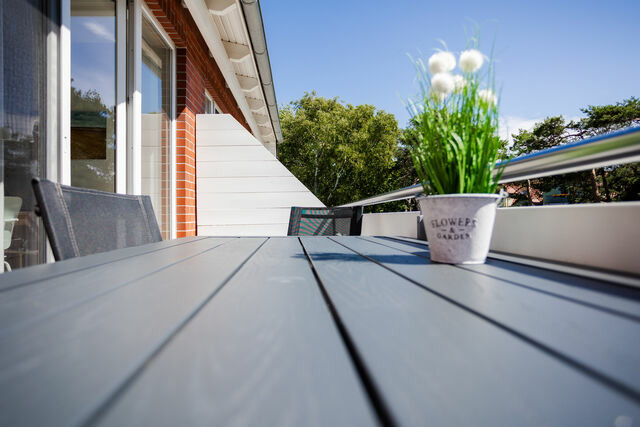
(313, 331)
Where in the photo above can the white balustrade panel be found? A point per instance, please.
(241, 188)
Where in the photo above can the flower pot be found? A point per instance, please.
(459, 226)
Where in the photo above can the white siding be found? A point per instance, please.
(247, 169)
(390, 224)
(241, 188)
(253, 184)
(243, 230)
(227, 153)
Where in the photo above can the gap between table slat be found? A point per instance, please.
(264, 351)
(617, 370)
(623, 301)
(428, 354)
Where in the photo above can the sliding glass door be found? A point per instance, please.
(156, 121)
(93, 94)
(65, 114)
(117, 48)
(25, 28)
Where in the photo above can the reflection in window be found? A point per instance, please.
(23, 28)
(93, 85)
(156, 123)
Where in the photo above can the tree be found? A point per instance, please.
(607, 118)
(402, 174)
(342, 153)
(618, 182)
(549, 133)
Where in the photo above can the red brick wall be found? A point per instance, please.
(196, 71)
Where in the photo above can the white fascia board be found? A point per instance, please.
(207, 28)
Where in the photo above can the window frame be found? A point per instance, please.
(211, 103)
(129, 15)
(148, 15)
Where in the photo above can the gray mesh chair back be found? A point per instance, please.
(323, 221)
(79, 221)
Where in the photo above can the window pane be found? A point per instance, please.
(22, 126)
(93, 94)
(209, 106)
(156, 123)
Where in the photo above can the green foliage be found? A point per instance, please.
(607, 118)
(342, 153)
(546, 134)
(403, 174)
(623, 181)
(456, 143)
(618, 182)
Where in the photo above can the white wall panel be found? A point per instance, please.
(248, 184)
(403, 224)
(248, 215)
(575, 234)
(225, 137)
(257, 200)
(243, 230)
(218, 122)
(240, 169)
(232, 153)
(241, 188)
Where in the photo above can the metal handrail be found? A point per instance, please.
(602, 150)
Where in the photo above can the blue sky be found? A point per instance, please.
(552, 57)
(93, 56)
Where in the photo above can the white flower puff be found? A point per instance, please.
(471, 61)
(442, 83)
(441, 62)
(488, 96)
(459, 82)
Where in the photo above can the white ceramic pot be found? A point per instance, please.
(459, 226)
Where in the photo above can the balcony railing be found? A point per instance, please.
(603, 150)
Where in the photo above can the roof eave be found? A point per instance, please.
(255, 28)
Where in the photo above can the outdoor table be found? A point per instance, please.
(321, 331)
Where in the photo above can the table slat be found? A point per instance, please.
(36, 273)
(612, 297)
(595, 339)
(24, 305)
(60, 371)
(436, 363)
(263, 351)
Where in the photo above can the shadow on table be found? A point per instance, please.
(381, 258)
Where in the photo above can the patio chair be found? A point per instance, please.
(79, 221)
(324, 221)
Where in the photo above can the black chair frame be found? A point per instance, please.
(81, 221)
(330, 215)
